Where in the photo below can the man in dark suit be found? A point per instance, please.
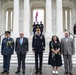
(7, 49)
(41, 27)
(38, 47)
(21, 49)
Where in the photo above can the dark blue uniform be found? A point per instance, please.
(7, 49)
(37, 25)
(41, 27)
(38, 45)
(34, 28)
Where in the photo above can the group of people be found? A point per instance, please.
(37, 25)
(66, 48)
(7, 49)
(56, 48)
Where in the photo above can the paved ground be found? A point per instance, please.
(30, 71)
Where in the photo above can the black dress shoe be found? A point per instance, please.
(7, 72)
(66, 72)
(36, 72)
(23, 72)
(17, 71)
(70, 73)
(3, 72)
(40, 72)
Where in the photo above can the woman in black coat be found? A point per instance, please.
(55, 54)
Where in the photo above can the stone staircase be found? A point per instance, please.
(31, 60)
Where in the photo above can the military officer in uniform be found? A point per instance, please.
(7, 49)
(38, 47)
(34, 28)
(37, 25)
(41, 27)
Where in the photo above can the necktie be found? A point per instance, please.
(20, 41)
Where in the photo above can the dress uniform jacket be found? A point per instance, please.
(41, 27)
(7, 48)
(38, 43)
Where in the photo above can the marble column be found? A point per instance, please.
(59, 17)
(21, 16)
(63, 20)
(48, 18)
(68, 19)
(71, 27)
(27, 18)
(9, 19)
(12, 19)
(16, 18)
(6, 20)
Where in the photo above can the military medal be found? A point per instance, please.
(41, 37)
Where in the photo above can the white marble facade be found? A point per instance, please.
(59, 14)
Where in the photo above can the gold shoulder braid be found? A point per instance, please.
(10, 43)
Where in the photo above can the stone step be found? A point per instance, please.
(30, 59)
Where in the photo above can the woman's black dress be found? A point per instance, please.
(54, 59)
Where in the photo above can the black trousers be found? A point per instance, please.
(6, 62)
(21, 61)
(40, 54)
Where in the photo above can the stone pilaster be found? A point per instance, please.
(21, 16)
(27, 18)
(16, 18)
(9, 19)
(59, 18)
(68, 19)
(48, 18)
